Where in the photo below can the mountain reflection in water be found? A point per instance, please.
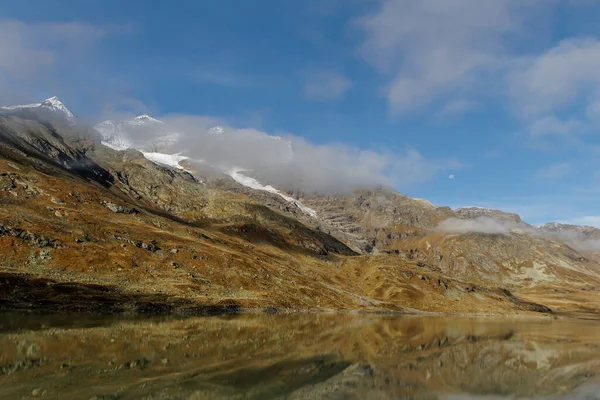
(301, 356)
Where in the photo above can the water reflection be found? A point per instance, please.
(298, 357)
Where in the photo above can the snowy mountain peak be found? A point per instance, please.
(146, 118)
(52, 104)
(142, 132)
(216, 130)
(53, 100)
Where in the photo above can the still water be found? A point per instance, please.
(302, 356)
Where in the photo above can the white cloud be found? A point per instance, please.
(480, 224)
(291, 162)
(554, 79)
(456, 107)
(25, 48)
(326, 85)
(550, 127)
(31, 52)
(554, 171)
(593, 111)
(431, 48)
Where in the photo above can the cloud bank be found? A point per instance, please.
(290, 162)
(581, 239)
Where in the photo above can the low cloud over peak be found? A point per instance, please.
(289, 162)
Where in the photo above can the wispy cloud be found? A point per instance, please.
(456, 107)
(324, 84)
(554, 79)
(25, 48)
(430, 49)
(61, 58)
(550, 127)
(555, 171)
(220, 78)
(31, 52)
(480, 224)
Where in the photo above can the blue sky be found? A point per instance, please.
(504, 95)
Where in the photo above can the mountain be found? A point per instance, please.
(135, 133)
(52, 106)
(84, 226)
(585, 239)
(582, 232)
(142, 132)
(478, 245)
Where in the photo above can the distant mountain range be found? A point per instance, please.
(123, 207)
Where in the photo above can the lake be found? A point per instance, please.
(297, 356)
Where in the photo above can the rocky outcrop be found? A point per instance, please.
(497, 215)
(34, 239)
(376, 220)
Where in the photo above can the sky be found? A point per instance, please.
(492, 103)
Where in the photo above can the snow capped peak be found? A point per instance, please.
(53, 100)
(146, 118)
(55, 104)
(216, 130)
(52, 104)
(142, 132)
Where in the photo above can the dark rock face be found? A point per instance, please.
(42, 145)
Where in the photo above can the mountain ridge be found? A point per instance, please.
(80, 213)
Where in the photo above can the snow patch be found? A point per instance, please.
(170, 160)
(117, 143)
(116, 134)
(254, 184)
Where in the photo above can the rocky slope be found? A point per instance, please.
(84, 226)
(476, 244)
